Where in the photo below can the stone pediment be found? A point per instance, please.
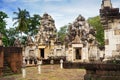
(77, 40)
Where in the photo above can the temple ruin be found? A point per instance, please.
(46, 39)
(80, 41)
(45, 44)
(110, 19)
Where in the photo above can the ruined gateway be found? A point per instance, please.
(80, 42)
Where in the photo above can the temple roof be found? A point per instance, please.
(107, 12)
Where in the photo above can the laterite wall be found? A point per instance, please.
(1, 59)
(13, 56)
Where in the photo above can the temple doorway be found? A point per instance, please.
(42, 53)
(78, 53)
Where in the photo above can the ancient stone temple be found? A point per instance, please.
(110, 19)
(80, 41)
(45, 43)
(46, 37)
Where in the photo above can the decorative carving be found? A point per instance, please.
(80, 32)
(47, 30)
(17, 43)
(29, 40)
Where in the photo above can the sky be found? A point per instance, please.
(62, 11)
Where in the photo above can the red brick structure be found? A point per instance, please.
(101, 71)
(13, 56)
(1, 60)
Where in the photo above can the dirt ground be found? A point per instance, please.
(49, 72)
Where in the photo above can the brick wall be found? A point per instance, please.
(1, 59)
(13, 56)
(100, 71)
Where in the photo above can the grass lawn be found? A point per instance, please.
(49, 73)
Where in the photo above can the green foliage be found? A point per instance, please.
(12, 34)
(24, 39)
(5, 40)
(21, 18)
(33, 25)
(96, 24)
(3, 16)
(62, 33)
(3, 30)
(24, 23)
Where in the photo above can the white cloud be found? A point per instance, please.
(9, 23)
(64, 12)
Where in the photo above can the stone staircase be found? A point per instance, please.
(7, 70)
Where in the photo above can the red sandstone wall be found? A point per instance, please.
(13, 55)
(1, 59)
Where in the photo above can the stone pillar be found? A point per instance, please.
(33, 62)
(73, 54)
(23, 70)
(28, 62)
(61, 63)
(51, 62)
(39, 66)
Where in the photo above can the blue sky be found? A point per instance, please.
(63, 11)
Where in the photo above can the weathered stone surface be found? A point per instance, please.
(17, 43)
(1, 60)
(99, 71)
(81, 33)
(29, 41)
(13, 56)
(47, 30)
(110, 19)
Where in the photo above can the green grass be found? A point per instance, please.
(50, 74)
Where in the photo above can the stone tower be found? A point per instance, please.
(46, 36)
(80, 40)
(106, 3)
(110, 19)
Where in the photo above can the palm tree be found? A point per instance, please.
(21, 18)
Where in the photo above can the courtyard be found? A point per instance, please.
(49, 72)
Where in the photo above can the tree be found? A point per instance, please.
(62, 33)
(34, 23)
(12, 34)
(3, 30)
(3, 16)
(21, 18)
(96, 24)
